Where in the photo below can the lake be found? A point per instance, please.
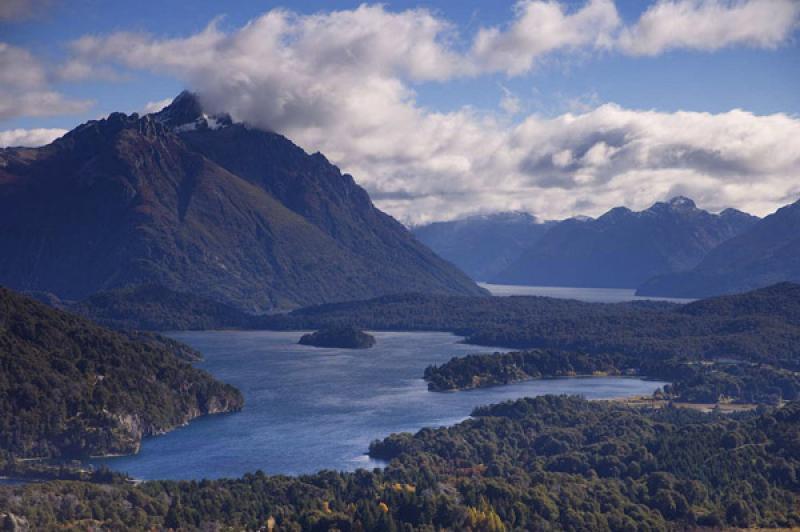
(308, 409)
(592, 295)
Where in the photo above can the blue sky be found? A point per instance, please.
(613, 56)
(762, 81)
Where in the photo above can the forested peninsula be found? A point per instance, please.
(71, 389)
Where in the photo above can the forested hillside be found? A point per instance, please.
(534, 464)
(69, 388)
(154, 307)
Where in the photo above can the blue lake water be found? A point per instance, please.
(592, 295)
(309, 409)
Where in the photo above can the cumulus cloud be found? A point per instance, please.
(543, 27)
(29, 137)
(710, 25)
(78, 70)
(19, 68)
(619, 156)
(25, 90)
(343, 83)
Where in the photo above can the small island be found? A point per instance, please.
(342, 337)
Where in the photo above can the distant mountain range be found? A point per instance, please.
(623, 248)
(483, 246)
(202, 205)
(620, 249)
(767, 252)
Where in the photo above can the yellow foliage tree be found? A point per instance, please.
(484, 519)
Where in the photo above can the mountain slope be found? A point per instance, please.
(767, 253)
(70, 388)
(622, 248)
(135, 200)
(316, 190)
(483, 246)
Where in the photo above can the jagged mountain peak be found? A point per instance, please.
(185, 108)
(764, 254)
(677, 204)
(616, 213)
(229, 213)
(187, 113)
(682, 202)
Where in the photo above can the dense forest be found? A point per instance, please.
(154, 307)
(534, 464)
(545, 463)
(690, 380)
(480, 370)
(69, 388)
(151, 307)
(733, 327)
(733, 348)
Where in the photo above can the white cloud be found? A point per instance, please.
(19, 69)
(78, 70)
(154, 107)
(343, 83)
(542, 27)
(25, 90)
(710, 25)
(634, 157)
(29, 137)
(38, 103)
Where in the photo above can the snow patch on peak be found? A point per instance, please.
(185, 113)
(682, 201)
(204, 121)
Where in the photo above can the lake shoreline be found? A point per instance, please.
(599, 375)
(331, 403)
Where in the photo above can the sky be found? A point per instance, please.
(443, 109)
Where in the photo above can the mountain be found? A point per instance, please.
(202, 205)
(483, 246)
(767, 253)
(69, 388)
(623, 248)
